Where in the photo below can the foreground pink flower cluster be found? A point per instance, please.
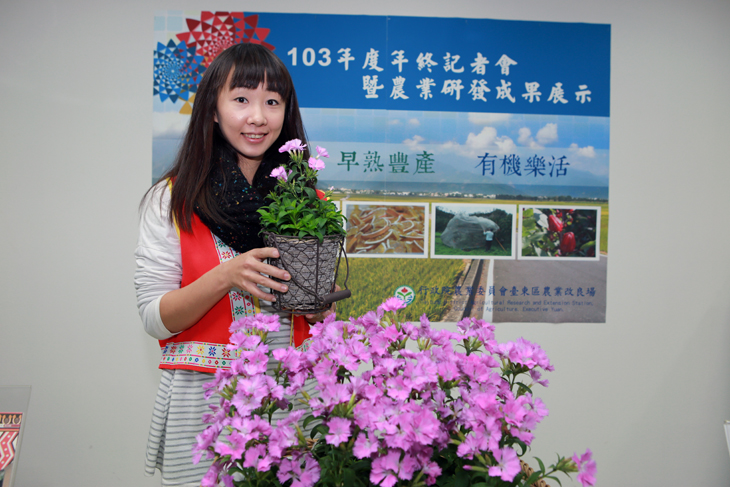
(401, 418)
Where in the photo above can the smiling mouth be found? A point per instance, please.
(254, 136)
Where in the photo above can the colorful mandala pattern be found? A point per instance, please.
(179, 67)
(178, 71)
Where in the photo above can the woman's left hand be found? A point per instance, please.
(317, 317)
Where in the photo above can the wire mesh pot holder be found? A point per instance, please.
(313, 266)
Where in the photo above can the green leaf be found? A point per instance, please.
(461, 479)
(588, 245)
(349, 477)
(361, 465)
(311, 193)
(552, 477)
(524, 387)
(307, 420)
(320, 428)
(522, 445)
(542, 465)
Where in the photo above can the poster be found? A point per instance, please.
(9, 433)
(471, 156)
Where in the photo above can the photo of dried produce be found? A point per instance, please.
(385, 230)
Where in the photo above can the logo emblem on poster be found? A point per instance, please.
(405, 293)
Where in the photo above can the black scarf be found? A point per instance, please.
(237, 201)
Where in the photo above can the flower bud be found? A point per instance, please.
(567, 243)
(554, 224)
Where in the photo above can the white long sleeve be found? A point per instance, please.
(159, 262)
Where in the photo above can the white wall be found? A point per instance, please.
(647, 391)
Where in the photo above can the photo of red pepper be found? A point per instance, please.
(567, 243)
(560, 232)
(555, 224)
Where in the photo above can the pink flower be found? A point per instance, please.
(508, 465)
(210, 479)
(535, 375)
(281, 438)
(339, 431)
(398, 388)
(240, 340)
(316, 164)
(514, 410)
(256, 363)
(204, 440)
(222, 380)
(279, 173)
(292, 145)
(291, 359)
(385, 469)
(523, 352)
(432, 470)
(392, 304)
(259, 322)
(253, 457)
(400, 414)
(333, 394)
(400, 438)
(407, 466)
(363, 447)
(310, 475)
(267, 323)
(236, 447)
(424, 427)
(586, 468)
(292, 469)
(473, 444)
(322, 152)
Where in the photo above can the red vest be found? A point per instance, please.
(202, 347)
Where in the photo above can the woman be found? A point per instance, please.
(200, 259)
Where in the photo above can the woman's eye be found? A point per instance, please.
(273, 102)
(241, 99)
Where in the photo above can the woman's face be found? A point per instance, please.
(250, 120)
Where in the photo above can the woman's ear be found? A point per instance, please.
(215, 116)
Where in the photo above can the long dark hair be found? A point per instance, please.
(248, 65)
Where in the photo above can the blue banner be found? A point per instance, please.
(438, 64)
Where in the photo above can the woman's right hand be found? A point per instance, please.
(249, 270)
(182, 308)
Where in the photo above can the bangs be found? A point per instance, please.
(257, 66)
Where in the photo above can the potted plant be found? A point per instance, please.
(424, 414)
(305, 225)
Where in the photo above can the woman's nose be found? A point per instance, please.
(256, 115)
